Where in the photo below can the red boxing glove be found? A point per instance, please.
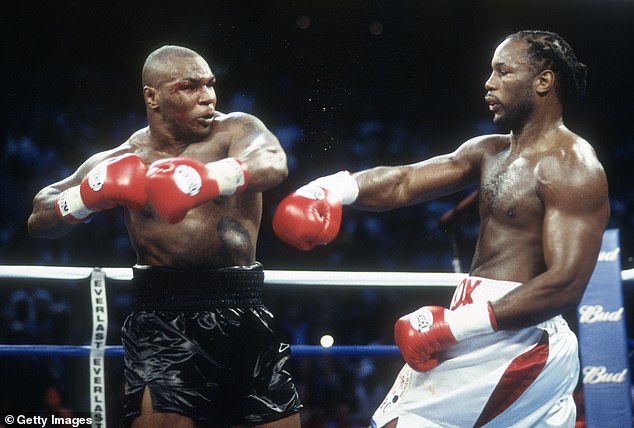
(114, 182)
(311, 215)
(176, 185)
(421, 335)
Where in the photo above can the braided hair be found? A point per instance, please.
(548, 50)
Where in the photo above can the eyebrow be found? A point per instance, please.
(195, 81)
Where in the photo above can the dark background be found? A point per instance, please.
(348, 84)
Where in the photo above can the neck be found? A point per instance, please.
(536, 130)
(164, 142)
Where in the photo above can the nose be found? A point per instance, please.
(207, 95)
(489, 84)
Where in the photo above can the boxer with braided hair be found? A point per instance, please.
(501, 355)
(548, 50)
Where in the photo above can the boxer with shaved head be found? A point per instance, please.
(201, 349)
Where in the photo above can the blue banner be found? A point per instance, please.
(603, 342)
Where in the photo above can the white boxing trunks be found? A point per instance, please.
(511, 378)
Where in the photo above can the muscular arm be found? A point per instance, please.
(44, 222)
(576, 207)
(384, 188)
(258, 147)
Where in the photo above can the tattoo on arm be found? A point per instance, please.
(248, 127)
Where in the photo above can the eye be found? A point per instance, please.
(186, 87)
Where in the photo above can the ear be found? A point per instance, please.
(545, 82)
(151, 97)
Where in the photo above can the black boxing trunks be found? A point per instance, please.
(206, 347)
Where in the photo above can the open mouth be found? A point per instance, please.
(493, 103)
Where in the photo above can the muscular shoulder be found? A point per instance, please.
(492, 142)
(477, 150)
(237, 123)
(131, 145)
(138, 139)
(571, 170)
(572, 161)
(136, 143)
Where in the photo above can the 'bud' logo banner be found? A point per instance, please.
(603, 342)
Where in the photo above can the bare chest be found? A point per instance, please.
(213, 148)
(508, 191)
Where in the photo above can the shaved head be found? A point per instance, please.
(160, 62)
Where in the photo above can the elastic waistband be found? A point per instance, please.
(159, 288)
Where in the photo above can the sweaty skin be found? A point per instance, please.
(180, 103)
(183, 122)
(202, 239)
(543, 193)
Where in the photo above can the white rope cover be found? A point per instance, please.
(284, 277)
(287, 277)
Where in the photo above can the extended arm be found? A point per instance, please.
(387, 187)
(311, 215)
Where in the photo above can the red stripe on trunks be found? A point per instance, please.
(522, 371)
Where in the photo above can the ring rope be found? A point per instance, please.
(280, 277)
(117, 350)
(285, 277)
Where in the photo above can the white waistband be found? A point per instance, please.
(496, 282)
(477, 289)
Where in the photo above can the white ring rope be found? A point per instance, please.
(284, 277)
